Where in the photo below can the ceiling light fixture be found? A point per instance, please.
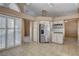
(28, 4)
(51, 4)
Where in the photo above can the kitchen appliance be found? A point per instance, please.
(43, 33)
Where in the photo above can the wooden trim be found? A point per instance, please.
(68, 17)
(10, 12)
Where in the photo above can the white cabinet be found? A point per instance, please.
(53, 37)
(58, 32)
(60, 38)
(57, 38)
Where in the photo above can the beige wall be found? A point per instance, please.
(36, 26)
(26, 27)
(71, 28)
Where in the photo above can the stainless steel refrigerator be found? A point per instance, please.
(43, 33)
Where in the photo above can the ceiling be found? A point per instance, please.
(13, 6)
(53, 9)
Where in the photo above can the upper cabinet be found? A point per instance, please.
(58, 26)
(58, 32)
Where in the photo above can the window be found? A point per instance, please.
(10, 31)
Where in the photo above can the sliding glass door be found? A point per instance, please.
(2, 31)
(17, 31)
(10, 31)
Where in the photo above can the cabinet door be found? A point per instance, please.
(2, 22)
(60, 38)
(17, 37)
(54, 37)
(10, 38)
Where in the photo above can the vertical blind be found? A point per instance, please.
(10, 31)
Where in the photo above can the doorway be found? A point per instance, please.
(71, 32)
(26, 31)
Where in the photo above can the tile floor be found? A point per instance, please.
(43, 49)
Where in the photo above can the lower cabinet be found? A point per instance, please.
(54, 38)
(60, 38)
(57, 38)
